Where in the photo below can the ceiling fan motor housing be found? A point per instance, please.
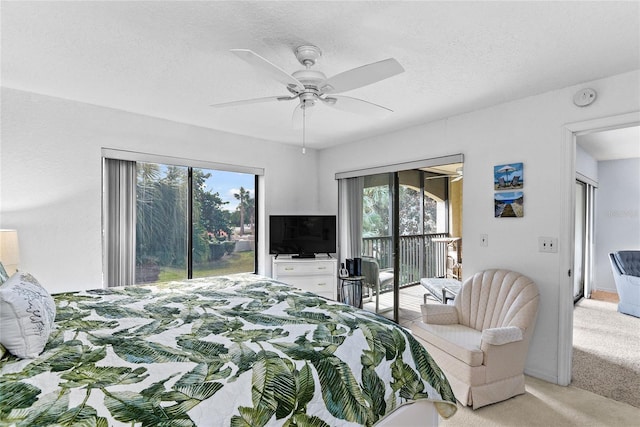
(310, 77)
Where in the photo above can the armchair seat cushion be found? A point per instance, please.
(457, 340)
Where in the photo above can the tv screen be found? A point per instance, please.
(303, 235)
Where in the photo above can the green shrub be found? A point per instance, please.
(217, 250)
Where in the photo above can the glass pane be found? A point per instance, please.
(435, 204)
(580, 230)
(376, 219)
(410, 227)
(223, 222)
(410, 203)
(161, 223)
(377, 244)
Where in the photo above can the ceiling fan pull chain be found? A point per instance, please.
(304, 121)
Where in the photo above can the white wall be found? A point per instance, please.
(529, 131)
(617, 217)
(585, 164)
(51, 178)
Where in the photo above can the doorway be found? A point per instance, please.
(572, 132)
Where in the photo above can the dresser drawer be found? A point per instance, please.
(317, 284)
(317, 275)
(303, 269)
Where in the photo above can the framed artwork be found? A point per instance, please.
(508, 177)
(509, 204)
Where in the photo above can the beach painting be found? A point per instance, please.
(508, 177)
(509, 204)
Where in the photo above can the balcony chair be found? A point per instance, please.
(481, 341)
(626, 273)
(376, 279)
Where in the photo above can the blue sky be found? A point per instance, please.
(508, 195)
(227, 184)
(224, 183)
(514, 169)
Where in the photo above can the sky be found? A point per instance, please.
(508, 195)
(227, 184)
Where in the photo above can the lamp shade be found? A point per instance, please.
(9, 250)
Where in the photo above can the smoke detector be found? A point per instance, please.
(584, 97)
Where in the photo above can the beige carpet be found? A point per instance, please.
(606, 351)
(548, 405)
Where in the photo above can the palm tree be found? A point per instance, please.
(243, 196)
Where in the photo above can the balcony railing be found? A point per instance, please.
(420, 256)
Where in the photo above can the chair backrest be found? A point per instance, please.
(497, 298)
(371, 272)
(628, 262)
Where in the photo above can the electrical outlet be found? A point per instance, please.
(548, 244)
(484, 240)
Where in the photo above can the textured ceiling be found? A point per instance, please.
(172, 60)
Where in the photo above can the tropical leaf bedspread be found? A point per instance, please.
(240, 350)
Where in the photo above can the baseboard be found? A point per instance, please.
(544, 376)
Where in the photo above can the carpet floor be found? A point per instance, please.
(606, 351)
(548, 405)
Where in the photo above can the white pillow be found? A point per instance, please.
(27, 313)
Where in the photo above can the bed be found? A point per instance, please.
(238, 350)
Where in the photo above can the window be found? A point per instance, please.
(189, 222)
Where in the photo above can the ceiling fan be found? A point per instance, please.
(311, 86)
(457, 176)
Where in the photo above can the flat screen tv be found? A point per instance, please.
(302, 235)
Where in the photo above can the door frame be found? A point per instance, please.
(567, 230)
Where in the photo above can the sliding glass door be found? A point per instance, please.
(401, 224)
(583, 257)
(406, 225)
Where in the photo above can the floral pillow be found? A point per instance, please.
(27, 314)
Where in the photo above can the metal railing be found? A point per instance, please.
(420, 256)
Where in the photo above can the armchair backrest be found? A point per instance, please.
(628, 262)
(370, 271)
(497, 298)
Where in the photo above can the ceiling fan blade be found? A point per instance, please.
(264, 65)
(361, 76)
(439, 176)
(357, 106)
(253, 101)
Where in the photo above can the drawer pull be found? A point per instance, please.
(289, 268)
(322, 268)
(322, 284)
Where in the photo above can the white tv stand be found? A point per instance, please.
(318, 275)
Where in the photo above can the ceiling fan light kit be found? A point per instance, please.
(310, 86)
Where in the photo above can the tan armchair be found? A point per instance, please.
(481, 341)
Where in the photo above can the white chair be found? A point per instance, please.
(481, 341)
